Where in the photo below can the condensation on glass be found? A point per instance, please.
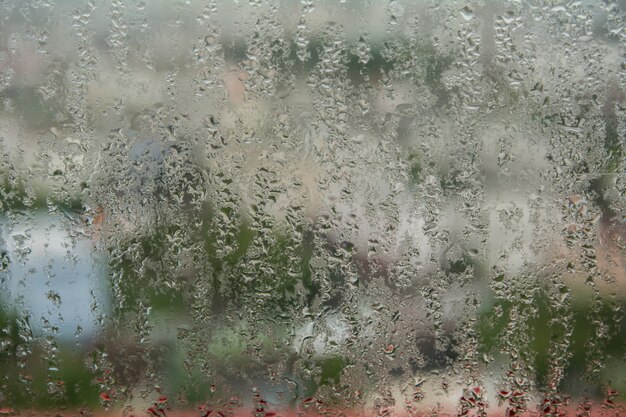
(385, 208)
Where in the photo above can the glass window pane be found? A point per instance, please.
(389, 208)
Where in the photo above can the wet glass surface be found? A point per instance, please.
(376, 208)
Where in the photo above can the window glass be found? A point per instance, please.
(338, 207)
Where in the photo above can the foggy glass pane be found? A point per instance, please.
(337, 208)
